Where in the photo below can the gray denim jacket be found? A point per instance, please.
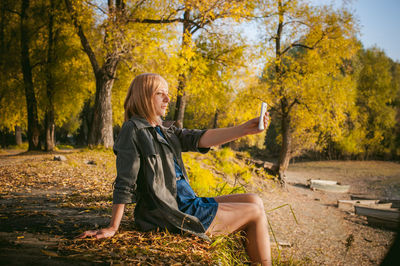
(146, 174)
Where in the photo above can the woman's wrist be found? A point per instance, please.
(242, 129)
(113, 227)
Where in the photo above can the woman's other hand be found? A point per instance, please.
(251, 126)
(102, 233)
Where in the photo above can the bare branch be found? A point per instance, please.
(97, 7)
(295, 101)
(12, 11)
(138, 5)
(156, 21)
(84, 41)
(298, 22)
(40, 63)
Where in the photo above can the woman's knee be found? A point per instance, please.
(257, 211)
(254, 198)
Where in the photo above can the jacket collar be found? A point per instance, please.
(141, 122)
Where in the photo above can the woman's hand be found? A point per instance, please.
(251, 126)
(102, 233)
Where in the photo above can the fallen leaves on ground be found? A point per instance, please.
(63, 198)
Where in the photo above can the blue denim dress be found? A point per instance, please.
(204, 208)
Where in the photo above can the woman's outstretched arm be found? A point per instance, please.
(218, 136)
(116, 217)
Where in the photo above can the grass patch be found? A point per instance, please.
(22, 146)
(64, 147)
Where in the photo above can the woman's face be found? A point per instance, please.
(160, 101)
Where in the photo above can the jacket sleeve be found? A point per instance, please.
(128, 165)
(189, 139)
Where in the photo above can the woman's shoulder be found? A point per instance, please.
(138, 122)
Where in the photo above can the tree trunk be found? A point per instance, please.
(49, 115)
(33, 124)
(50, 129)
(180, 102)
(101, 132)
(86, 117)
(284, 157)
(181, 98)
(215, 124)
(2, 42)
(18, 135)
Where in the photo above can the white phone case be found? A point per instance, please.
(262, 113)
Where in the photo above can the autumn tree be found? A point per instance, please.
(194, 17)
(59, 80)
(108, 33)
(31, 102)
(214, 79)
(376, 96)
(305, 49)
(101, 128)
(12, 95)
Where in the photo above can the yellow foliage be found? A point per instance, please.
(202, 180)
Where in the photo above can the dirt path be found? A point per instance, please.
(326, 235)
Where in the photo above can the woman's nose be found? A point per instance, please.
(166, 98)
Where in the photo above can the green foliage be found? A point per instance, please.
(368, 130)
(64, 147)
(23, 146)
(376, 96)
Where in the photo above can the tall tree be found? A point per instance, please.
(306, 48)
(376, 96)
(33, 122)
(215, 75)
(59, 79)
(101, 128)
(119, 37)
(50, 82)
(200, 15)
(12, 96)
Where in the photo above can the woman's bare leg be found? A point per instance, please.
(249, 217)
(245, 197)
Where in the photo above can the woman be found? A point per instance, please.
(150, 172)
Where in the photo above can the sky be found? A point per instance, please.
(380, 24)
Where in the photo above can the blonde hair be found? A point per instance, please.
(139, 99)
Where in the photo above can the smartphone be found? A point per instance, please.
(262, 114)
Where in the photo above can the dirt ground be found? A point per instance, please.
(324, 234)
(32, 222)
